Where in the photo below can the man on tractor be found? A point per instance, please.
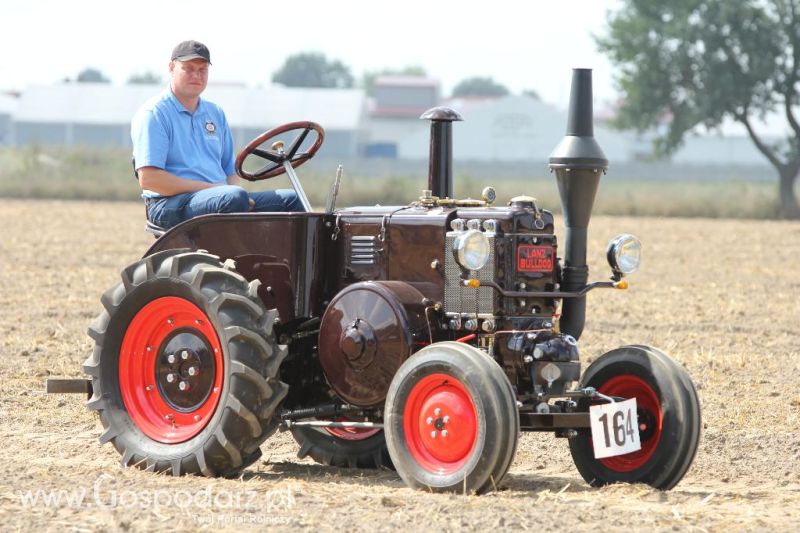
(183, 150)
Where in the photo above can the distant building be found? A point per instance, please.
(508, 128)
(387, 125)
(394, 112)
(99, 114)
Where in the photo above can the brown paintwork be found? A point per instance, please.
(302, 268)
(368, 331)
(285, 251)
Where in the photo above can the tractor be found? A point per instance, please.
(421, 337)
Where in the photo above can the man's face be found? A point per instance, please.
(189, 78)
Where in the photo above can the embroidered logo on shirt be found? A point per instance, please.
(210, 127)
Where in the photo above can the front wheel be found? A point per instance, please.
(668, 412)
(451, 420)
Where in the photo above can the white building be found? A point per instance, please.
(99, 114)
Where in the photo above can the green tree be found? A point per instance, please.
(144, 78)
(312, 69)
(478, 86)
(368, 79)
(700, 62)
(532, 93)
(92, 75)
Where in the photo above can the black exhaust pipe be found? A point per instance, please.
(440, 162)
(578, 163)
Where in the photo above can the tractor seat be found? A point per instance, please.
(149, 227)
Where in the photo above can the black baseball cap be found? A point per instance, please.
(188, 50)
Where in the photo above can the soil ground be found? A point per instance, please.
(722, 297)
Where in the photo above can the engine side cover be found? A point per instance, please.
(367, 332)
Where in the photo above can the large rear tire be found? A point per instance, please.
(343, 447)
(451, 420)
(669, 419)
(185, 366)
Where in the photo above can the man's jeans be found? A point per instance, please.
(171, 210)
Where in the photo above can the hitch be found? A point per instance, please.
(68, 386)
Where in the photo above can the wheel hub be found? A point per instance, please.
(185, 370)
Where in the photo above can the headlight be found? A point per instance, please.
(471, 249)
(624, 254)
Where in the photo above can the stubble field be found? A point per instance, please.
(721, 296)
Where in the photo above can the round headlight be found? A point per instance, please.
(624, 254)
(471, 249)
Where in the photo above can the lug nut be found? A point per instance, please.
(437, 411)
(184, 355)
(444, 433)
(446, 419)
(183, 385)
(171, 359)
(433, 434)
(171, 378)
(429, 421)
(192, 371)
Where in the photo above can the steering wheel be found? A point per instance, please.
(276, 156)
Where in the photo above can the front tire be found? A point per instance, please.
(185, 366)
(669, 419)
(451, 420)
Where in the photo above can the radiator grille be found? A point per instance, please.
(458, 299)
(363, 250)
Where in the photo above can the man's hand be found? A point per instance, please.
(167, 184)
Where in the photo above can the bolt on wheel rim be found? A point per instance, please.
(166, 401)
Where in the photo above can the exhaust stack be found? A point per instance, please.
(440, 162)
(578, 162)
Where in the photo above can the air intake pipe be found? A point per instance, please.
(578, 163)
(440, 163)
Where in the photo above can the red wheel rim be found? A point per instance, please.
(648, 408)
(351, 434)
(440, 423)
(142, 351)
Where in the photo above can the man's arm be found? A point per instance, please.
(168, 184)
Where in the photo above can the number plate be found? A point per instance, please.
(615, 428)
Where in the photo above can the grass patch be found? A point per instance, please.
(106, 174)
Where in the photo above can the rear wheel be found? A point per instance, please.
(668, 412)
(451, 420)
(343, 447)
(185, 365)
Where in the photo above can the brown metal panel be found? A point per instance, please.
(285, 251)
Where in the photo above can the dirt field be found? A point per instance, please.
(722, 297)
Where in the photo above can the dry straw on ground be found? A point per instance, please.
(720, 296)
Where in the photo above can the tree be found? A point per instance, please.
(478, 86)
(311, 69)
(700, 62)
(532, 93)
(368, 79)
(92, 75)
(144, 78)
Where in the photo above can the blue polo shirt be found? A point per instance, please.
(196, 146)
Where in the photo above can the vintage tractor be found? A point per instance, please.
(422, 337)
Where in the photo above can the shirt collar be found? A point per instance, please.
(169, 95)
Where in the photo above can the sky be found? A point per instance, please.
(521, 44)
